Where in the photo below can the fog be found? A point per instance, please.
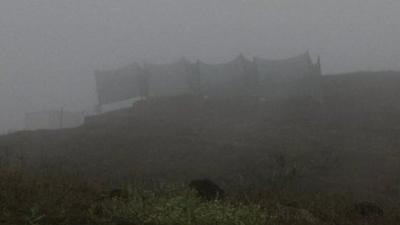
(49, 49)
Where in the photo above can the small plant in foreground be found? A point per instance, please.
(175, 205)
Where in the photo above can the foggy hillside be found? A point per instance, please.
(330, 144)
(189, 112)
(49, 49)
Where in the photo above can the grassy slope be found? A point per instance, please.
(351, 140)
(57, 198)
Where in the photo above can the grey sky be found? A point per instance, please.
(49, 48)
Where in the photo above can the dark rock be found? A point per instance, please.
(367, 209)
(207, 189)
(116, 193)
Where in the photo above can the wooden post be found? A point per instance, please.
(61, 117)
(99, 109)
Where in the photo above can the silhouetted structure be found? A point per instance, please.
(270, 79)
(120, 84)
(53, 119)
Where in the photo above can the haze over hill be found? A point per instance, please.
(299, 142)
(211, 112)
(49, 49)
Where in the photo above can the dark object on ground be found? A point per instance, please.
(207, 189)
(367, 209)
(118, 193)
(115, 194)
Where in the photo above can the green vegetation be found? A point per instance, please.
(54, 198)
(285, 162)
(62, 199)
(175, 205)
